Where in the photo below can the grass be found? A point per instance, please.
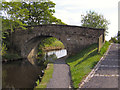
(54, 45)
(82, 63)
(46, 78)
(104, 48)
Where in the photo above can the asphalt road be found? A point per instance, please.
(108, 71)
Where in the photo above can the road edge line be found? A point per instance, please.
(94, 69)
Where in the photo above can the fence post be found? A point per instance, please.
(100, 42)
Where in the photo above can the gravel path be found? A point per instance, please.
(107, 75)
(61, 75)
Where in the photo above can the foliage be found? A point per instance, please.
(38, 82)
(21, 14)
(4, 49)
(49, 40)
(10, 25)
(31, 13)
(12, 14)
(118, 37)
(113, 40)
(40, 50)
(52, 43)
(94, 20)
(82, 63)
(49, 44)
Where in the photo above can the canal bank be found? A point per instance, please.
(82, 63)
(21, 74)
(14, 71)
(54, 67)
(85, 60)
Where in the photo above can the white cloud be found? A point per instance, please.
(69, 11)
(87, 3)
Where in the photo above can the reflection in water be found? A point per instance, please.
(22, 74)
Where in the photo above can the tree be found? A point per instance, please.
(113, 40)
(13, 15)
(118, 37)
(31, 13)
(21, 14)
(94, 20)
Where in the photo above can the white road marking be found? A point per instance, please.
(92, 73)
(113, 75)
(111, 60)
(109, 66)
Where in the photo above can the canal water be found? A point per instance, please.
(22, 74)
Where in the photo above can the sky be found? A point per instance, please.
(70, 11)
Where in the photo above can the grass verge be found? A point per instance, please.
(82, 63)
(46, 78)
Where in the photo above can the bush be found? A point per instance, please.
(113, 40)
(4, 49)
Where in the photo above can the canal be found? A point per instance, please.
(23, 74)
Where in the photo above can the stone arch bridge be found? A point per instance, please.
(74, 38)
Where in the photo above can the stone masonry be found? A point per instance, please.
(74, 38)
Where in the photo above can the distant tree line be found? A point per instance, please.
(115, 39)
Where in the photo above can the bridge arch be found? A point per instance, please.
(30, 48)
(74, 38)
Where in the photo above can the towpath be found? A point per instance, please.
(61, 75)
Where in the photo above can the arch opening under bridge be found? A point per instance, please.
(74, 38)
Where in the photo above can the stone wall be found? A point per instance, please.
(74, 38)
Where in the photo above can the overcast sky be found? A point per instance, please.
(70, 11)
